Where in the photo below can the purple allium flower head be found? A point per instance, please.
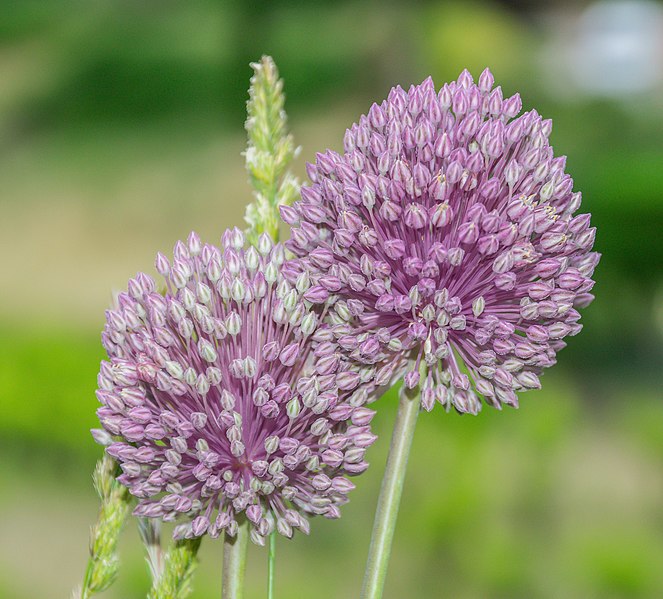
(447, 230)
(228, 394)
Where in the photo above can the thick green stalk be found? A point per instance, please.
(234, 562)
(271, 564)
(390, 494)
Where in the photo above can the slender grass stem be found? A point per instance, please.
(234, 562)
(271, 564)
(390, 494)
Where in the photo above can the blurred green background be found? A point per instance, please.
(121, 128)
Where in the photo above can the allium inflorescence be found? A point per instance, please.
(447, 231)
(228, 394)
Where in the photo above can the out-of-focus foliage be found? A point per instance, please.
(121, 129)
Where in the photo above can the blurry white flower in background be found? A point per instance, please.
(614, 49)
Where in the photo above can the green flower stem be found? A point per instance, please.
(271, 564)
(234, 562)
(390, 494)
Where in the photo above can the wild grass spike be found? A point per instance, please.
(150, 533)
(269, 152)
(103, 562)
(178, 566)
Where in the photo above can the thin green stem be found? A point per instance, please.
(390, 494)
(234, 562)
(271, 564)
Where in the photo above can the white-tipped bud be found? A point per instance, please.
(428, 313)
(214, 270)
(237, 239)
(512, 173)
(204, 293)
(297, 314)
(547, 190)
(278, 255)
(303, 282)
(214, 375)
(237, 448)
(320, 427)
(162, 265)
(265, 244)
(190, 376)
(227, 400)
(284, 528)
(188, 298)
(250, 367)
(442, 318)
(342, 310)
(234, 433)
(478, 306)
(101, 436)
(175, 369)
(282, 289)
(308, 324)
(202, 384)
(207, 351)
(237, 290)
(313, 463)
(441, 297)
(293, 408)
(276, 467)
(415, 296)
(251, 259)
(271, 273)
(199, 420)
(234, 324)
(232, 528)
(290, 300)
(271, 444)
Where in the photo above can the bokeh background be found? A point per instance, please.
(121, 129)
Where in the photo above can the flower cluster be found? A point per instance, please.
(447, 231)
(228, 394)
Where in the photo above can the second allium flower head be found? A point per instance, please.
(229, 395)
(447, 231)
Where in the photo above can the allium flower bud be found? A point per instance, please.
(226, 400)
(470, 256)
